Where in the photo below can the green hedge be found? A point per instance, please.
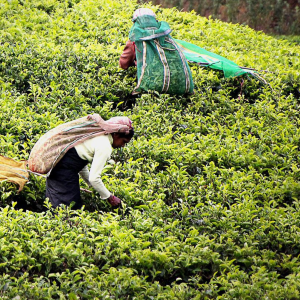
(210, 183)
(273, 16)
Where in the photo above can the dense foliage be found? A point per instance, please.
(273, 16)
(293, 39)
(210, 183)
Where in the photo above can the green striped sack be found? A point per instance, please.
(161, 66)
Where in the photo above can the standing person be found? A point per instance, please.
(161, 65)
(62, 184)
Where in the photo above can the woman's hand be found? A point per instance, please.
(114, 201)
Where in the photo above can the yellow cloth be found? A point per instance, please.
(13, 171)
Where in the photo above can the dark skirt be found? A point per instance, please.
(62, 185)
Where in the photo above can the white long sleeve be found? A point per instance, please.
(97, 151)
(85, 174)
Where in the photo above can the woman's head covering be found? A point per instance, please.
(142, 12)
(124, 124)
(114, 124)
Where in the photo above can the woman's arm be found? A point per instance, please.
(127, 58)
(85, 174)
(100, 158)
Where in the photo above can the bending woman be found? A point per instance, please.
(62, 185)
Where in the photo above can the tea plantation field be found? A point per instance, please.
(210, 182)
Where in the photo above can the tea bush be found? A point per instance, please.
(277, 17)
(210, 182)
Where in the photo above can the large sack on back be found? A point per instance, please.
(52, 146)
(161, 66)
